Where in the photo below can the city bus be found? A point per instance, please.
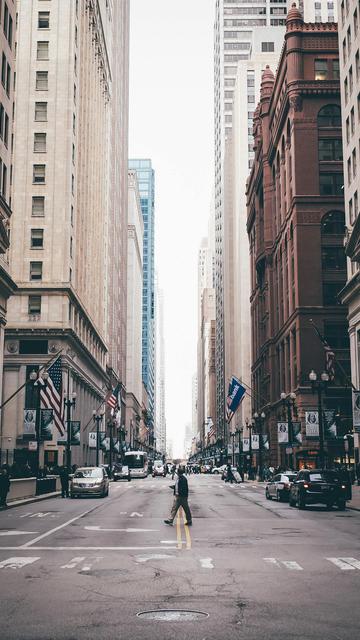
(137, 461)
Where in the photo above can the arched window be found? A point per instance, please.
(333, 223)
(329, 116)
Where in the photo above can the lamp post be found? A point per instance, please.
(289, 403)
(320, 386)
(249, 428)
(69, 402)
(259, 419)
(111, 427)
(238, 432)
(39, 382)
(97, 417)
(233, 448)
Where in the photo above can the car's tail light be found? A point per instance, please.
(343, 486)
(306, 485)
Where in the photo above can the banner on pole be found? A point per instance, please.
(265, 442)
(283, 432)
(246, 444)
(235, 394)
(356, 408)
(46, 424)
(297, 435)
(92, 440)
(29, 422)
(75, 432)
(255, 442)
(312, 424)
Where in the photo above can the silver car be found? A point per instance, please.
(89, 481)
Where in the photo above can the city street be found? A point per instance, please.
(84, 568)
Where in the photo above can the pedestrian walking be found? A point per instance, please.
(229, 473)
(173, 470)
(4, 486)
(64, 479)
(181, 492)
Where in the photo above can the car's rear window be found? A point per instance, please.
(89, 473)
(325, 476)
(291, 476)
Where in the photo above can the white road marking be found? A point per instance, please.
(17, 533)
(127, 530)
(135, 513)
(123, 513)
(73, 562)
(172, 541)
(61, 526)
(206, 563)
(272, 561)
(25, 515)
(353, 562)
(154, 556)
(338, 562)
(293, 566)
(146, 548)
(17, 562)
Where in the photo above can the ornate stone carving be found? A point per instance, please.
(53, 347)
(296, 102)
(12, 347)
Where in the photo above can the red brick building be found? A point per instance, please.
(296, 229)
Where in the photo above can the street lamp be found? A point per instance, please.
(39, 382)
(320, 386)
(289, 402)
(259, 420)
(97, 417)
(233, 448)
(69, 402)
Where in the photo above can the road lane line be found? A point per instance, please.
(73, 562)
(178, 530)
(17, 533)
(206, 563)
(85, 548)
(61, 526)
(154, 556)
(272, 561)
(129, 530)
(353, 562)
(187, 533)
(338, 562)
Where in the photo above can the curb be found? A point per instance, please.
(20, 503)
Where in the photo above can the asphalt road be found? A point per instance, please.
(76, 569)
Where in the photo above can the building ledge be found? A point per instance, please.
(352, 242)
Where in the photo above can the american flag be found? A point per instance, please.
(51, 394)
(112, 400)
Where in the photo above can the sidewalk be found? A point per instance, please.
(19, 503)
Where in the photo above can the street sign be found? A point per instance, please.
(312, 424)
(33, 445)
(283, 432)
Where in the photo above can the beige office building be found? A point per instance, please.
(66, 161)
(7, 285)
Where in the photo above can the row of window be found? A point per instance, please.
(5, 74)
(4, 125)
(350, 121)
(327, 69)
(7, 23)
(349, 80)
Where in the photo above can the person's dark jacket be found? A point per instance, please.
(183, 488)
(64, 475)
(4, 482)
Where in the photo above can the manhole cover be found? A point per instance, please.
(172, 615)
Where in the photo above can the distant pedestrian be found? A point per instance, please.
(229, 474)
(181, 492)
(4, 487)
(64, 479)
(173, 471)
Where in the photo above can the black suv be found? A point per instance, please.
(322, 486)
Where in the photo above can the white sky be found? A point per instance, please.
(171, 122)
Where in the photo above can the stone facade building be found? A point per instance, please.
(7, 286)
(296, 227)
(66, 210)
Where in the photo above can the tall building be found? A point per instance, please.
(349, 45)
(134, 387)
(146, 180)
(7, 285)
(296, 227)
(70, 71)
(160, 413)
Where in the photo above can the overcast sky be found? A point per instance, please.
(171, 122)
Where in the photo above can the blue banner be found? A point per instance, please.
(235, 394)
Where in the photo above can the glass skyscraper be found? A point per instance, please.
(146, 179)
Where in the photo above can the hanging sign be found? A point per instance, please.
(283, 432)
(255, 442)
(356, 408)
(297, 435)
(92, 440)
(29, 422)
(312, 424)
(46, 424)
(246, 444)
(265, 442)
(75, 432)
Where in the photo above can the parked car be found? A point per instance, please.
(279, 486)
(89, 481)
(158, 469)
(205, 468)
(318, 486)
(217, 470)
(120, 472)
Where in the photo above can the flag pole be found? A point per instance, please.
(340, 367)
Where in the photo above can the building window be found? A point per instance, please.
(38, 206)
(37, 238)
(39, 142)
(44, 20)
(3, 180)
(333, 258)
(331, 184)
(42, 51)
(352, 121)
(268, 46)
(330, 149)
(357, 64)
(333, 223)
(330, 293)
(336, 69)
(3, 69)
(354, 164)
(40, 111)
(6, 129)
(321, 69)
(36, 270)
(34, 305)
(329, 116)
(39, 173)
(346, 90)
(356, 204)
(348, 38)
(42, 80)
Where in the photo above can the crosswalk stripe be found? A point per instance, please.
(73, 562)
(18, 562)
(353, 562)
(339, 562)
(272, 561)
(293, 566)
